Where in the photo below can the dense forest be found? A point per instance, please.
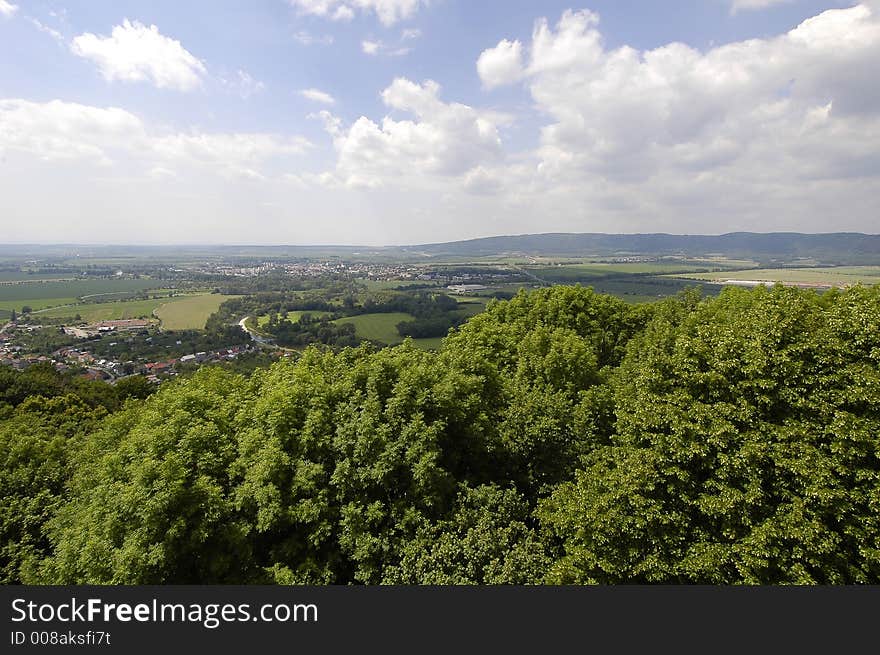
(560, 437)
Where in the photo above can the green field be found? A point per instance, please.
(189, 312)
(576, 272)
(292, 316)
(176, 313)
(385, 285)
(27, 291)
(34, 303)
(377, 327)
(22, 276)
(54, 293)
(105, 311)
(831, 277)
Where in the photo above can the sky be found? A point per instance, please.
(385, 122)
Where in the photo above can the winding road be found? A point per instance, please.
(253, 335)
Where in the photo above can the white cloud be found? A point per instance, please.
(389, 12)
(343, 13)
(410, 34)
(62, 130)
(243, 84)
(134, 52)
(483, 181)
(45, 29)
(307, 38)
(7, 9)
(748, 5)
(501, 65)
(57, 130)
(371, 47)
(629, 114)
(375, 48)
(445, 139)
(316, 95)
(752, 134)
(235, 154)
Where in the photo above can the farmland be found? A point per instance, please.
(28, 290)
(176, 313)
(828, 277)
(7, 306)
(378, 327)
(52, 293)
(30, 276)
(105, 311)
(189, 312)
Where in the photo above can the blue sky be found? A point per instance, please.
(405, 121)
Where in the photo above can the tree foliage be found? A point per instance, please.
(562, 436)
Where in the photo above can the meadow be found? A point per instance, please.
(189, 312)
(832, 277)
(104, 311)
(377, 327)
(575, 272)
(36, 290)
(385, 285)
(175, 313)
(292, 316)
(7, 306)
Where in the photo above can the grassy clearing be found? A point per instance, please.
(378, 327)
(832, 277)
(292, 316)
(189, 312)
(385, 285)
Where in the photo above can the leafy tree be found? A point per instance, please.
(36, 444)
(745, 449)
(487, 539)
(152, 498)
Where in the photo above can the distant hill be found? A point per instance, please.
(834, 248)
(786, 245)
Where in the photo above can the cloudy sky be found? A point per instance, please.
(408, 121)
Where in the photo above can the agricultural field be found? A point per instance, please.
(6, 306)
(576, 272)
(378, 327)
(826, 277)
(189, 312)
(24, 276)
(105, 311)
(53, 293)
(176, 313)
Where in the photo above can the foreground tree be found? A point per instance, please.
(746, 449)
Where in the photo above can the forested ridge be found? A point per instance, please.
(561, 437)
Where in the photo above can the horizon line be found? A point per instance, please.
(411, 245)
